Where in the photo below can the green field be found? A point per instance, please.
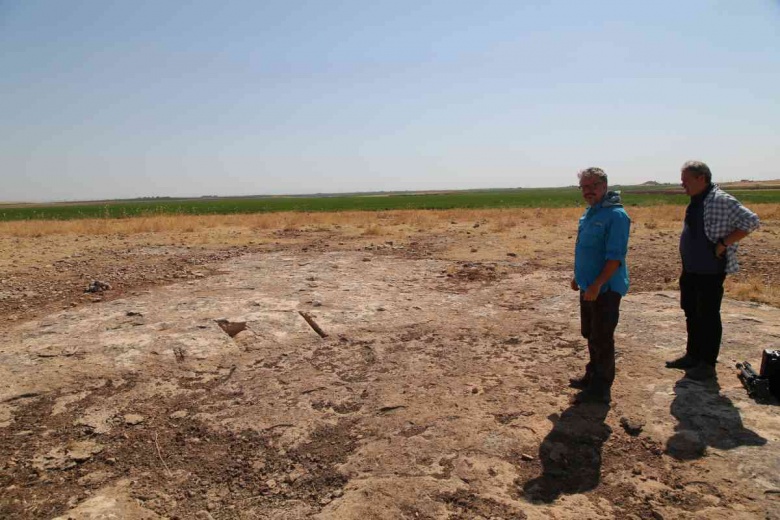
(514, 198)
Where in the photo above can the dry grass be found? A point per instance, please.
(499, 220)
(545, 234)
(753, 289)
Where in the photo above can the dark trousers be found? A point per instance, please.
(598, 320)
(700, 297)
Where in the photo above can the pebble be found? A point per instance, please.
(133, 419)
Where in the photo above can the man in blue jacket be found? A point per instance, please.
(601, 276)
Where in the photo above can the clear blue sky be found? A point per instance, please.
(110, 99)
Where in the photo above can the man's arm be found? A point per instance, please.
(606, 273)
(730, 239)
(743, 221)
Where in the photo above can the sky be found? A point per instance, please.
(119, 99)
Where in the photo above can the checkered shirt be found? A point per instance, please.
(722, 215)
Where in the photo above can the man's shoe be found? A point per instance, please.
(591, 395)
(580, 383)
(684, 362)
(702, 372)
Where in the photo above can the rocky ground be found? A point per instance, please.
(196, 388)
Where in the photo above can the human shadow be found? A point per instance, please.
(706, 418)
(571, 453)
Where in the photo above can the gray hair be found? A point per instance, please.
(697, 168)
(592, 172)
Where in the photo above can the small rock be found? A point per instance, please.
(132, 419)
(98, 286)
(526, 457)
(513, 255)
(179, 414)
(686, 445)
(83, 450)
(632, 426)
(316, 303)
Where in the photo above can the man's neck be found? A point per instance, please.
(703, 192)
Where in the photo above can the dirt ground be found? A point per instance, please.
(195, 388)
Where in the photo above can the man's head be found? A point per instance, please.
(593, 184)
(695, 177)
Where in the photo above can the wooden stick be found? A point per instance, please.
(313, 324)
(159, 454)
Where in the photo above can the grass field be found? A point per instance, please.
(517, 198)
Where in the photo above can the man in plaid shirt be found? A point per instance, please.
(714, 223)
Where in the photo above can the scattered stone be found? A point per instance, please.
(132, 419)
(513, 255)
(526, 457)
(231, 328)
(179, 414)
(316, 303)
(83, 450)
(97, 286)
(133, 313)
(686, 445)
(632, 426)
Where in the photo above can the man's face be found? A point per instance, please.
(593, 190)
(693, 184)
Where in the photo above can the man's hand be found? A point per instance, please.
(592, 293)
(719, 250)
(574, 286)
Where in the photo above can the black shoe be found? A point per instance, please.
(592, 395)
(702, 372)
(684, 362)
(580, 383)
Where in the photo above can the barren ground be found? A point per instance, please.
(440, 390)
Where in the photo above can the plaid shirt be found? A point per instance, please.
(722, 215)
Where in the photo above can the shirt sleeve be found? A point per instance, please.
(742, 218)
(617, 237)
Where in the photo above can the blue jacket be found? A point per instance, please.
(603, 235)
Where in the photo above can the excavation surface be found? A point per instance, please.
(439, 391)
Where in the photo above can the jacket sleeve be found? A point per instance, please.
(741, 217)
(617, 237)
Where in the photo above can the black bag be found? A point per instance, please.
(770, 369)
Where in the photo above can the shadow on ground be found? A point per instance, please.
(706, 418)
(571, 453)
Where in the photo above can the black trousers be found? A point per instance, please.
(700, 298)
(598, 320)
